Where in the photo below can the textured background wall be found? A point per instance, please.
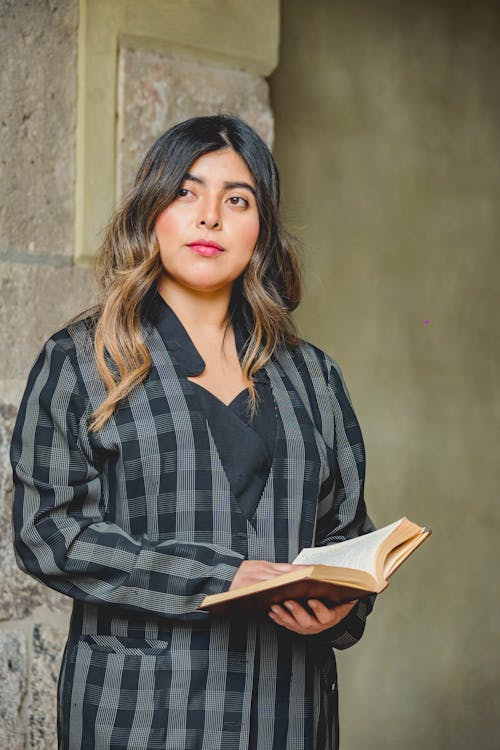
(40, 287)
(156, 91)
(387, 120)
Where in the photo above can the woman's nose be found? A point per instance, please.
(209, 214)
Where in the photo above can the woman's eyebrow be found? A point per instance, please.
(225, 185)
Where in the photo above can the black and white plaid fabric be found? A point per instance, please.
(138, 524)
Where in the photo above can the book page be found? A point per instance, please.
(359, 553)
(398, 555)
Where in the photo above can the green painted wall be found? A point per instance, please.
(388, 141)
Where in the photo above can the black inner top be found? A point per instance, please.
(245, 445)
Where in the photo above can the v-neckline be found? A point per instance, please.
(207, 390)
(234, 500)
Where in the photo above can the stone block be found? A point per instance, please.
(13, 669)
(37, 123)
(43, 298)
(48, 643)
(157, 91)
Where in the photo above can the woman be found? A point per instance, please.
(180, 440)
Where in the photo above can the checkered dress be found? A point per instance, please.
(138, 523)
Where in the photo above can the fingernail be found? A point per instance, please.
(289, 606)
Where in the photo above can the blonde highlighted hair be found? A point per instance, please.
(128, 266)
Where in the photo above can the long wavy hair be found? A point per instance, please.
(128, 265)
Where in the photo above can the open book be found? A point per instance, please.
(336, 573)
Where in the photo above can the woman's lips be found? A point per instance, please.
(206, 250)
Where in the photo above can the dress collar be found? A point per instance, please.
(177, 340)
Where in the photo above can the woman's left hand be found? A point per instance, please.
(294, 616)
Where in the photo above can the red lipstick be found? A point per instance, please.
(206, 247)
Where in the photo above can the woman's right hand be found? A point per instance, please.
(255, 571)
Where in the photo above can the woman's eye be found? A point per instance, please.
(237, 200)
(183, 192)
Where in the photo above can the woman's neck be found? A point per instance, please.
(196, 311)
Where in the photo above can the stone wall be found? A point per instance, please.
(41, 287)
(156, 91)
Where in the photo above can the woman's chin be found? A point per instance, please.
(202, 283)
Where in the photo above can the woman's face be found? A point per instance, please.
(215, 204)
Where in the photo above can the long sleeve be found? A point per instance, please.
(61, 534)
(342, 512)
